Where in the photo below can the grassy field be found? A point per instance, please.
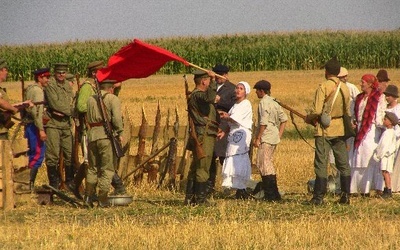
(157, 218)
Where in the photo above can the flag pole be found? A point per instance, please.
(206, 70)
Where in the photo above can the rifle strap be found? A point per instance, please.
(298, 131)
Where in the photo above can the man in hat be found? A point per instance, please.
(383, 79)
(59, 97)
(86, 90)
(70, 79)
(5, 102)
(102, 160)
(204, 117)
(271, 124)
(330, 136)
(224, 101)
(34, 128)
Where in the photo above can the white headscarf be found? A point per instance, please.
(246, 86)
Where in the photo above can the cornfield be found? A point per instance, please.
(242, 52)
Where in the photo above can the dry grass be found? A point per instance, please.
(156, 219)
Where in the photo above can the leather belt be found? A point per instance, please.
(95, 124)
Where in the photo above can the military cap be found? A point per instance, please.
(70, 77)
(95, 65)
(60, 67)
(262, 84)
(382, 76)
(392, 117)
(199, 73)
(333, 66)
(220, 69)
(3, 63)
(392, 90)
(42, 72)
(108, 82)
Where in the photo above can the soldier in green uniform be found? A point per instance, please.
(34, 129)
(4, 100)
(102, 159)
(204, 116)
(86, 90)
(59, 97)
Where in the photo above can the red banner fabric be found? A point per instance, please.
(136, 60)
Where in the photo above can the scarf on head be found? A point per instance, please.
(369, 111)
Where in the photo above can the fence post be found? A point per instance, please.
(7, 171)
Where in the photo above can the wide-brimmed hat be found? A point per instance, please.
(392, 90)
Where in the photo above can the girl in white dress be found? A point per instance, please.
(236, 170)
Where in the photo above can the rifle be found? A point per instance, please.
(192, 131)
(77, 128)
(116, 144)
(312, 118)
(5, 116)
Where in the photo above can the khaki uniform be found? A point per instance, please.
(59, 98)
(3, 130)
(102, 160)
(331, 137)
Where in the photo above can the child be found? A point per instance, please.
(385, 152)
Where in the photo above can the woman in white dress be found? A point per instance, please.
(369, 110)
(236, 170)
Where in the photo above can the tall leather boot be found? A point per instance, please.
(201, 193)
(276, 196)
(268, 188)
(74, 186)
(118, 185)
(54, 177)
(319, 191)
(345, 190)
(189, 196)
(32, 177)
(90, 190)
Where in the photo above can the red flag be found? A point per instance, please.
(136, 60)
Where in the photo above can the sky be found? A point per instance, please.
(49, 21)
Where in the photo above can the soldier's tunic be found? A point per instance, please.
(3, 130)
(85, 92)
(101, 155)
(204, 115)
(59, 97)
(34, 124)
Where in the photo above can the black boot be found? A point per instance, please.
(54, 177)
(319, 191)
(276, 196)
(118, 185)
(387, 193)
(268, 188)
(258, 188)
(201, 194)
(345, 190)
(241, 194)
(32, 177)
(212, 176)
(189, 197)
